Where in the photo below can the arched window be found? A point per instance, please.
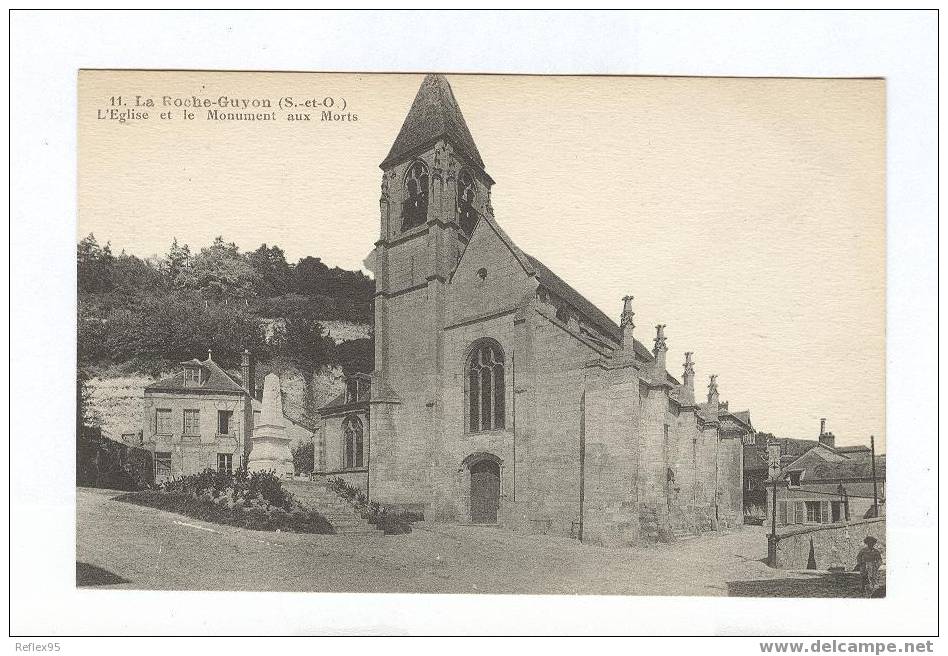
(467, 215)
(415, 207)
(352, 432)
(485, 387)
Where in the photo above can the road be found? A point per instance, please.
(120, 545)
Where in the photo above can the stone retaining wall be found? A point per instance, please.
(832, 544)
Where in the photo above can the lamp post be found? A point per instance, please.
(773, 468)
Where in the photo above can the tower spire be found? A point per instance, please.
(434, 115)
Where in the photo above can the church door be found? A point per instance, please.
(485, 491)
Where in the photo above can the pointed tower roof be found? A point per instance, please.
(434, 114)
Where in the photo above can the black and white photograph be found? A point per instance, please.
(474, 334)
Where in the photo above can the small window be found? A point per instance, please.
(162, 465)
(225, 463)
(353, 435)
(192, 422)
(256, 417)
(794, 478)
(192, 376)
(163, 424)
(224, 421)
(817, 512)
(357, 389)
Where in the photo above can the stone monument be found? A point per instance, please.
(270, 444)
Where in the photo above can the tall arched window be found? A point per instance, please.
(352, 432)
(485, 387)
(467, 215)
(415, 207)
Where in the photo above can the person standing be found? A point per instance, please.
(868, 561)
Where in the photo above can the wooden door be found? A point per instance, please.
(485, 491)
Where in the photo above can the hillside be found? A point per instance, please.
(139, 318)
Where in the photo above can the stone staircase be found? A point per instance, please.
(340, 513)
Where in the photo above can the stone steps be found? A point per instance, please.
(345, 519)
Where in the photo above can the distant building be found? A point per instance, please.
(198, 418)
(821, 483)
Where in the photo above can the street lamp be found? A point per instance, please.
(773, 467)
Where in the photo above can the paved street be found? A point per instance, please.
(121, 545)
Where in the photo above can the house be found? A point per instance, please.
(500, 393)
(826, 484)
(198, 417)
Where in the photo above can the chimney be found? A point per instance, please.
(688, 381)
(713, 398)
(628, 340)
(826, 439)
(659, 351)
(247, 372)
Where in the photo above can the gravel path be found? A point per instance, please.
(120, 545)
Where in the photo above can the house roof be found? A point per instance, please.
(214, 380)
(434, 114)
(845, 469)
(755, 455)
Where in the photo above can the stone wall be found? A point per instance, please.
(832, 544)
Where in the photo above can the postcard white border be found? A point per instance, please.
(48, 48)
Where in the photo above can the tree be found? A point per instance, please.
(219, 272)
(177, 260)
(273, 273)
(301, 341)
(356, 356)
(94, 265)
(304, 456)
(310, 277)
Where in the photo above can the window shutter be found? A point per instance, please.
(782, 513)
(825, 512)
(800, 513)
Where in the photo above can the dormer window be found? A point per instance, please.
(415, 206)
(357, 389)
(192, 376)
(793, 478)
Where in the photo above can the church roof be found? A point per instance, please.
(586, 307)
(434, 114)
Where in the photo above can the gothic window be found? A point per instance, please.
(467, 215)
(415, 206)
(353, 441)
(485, 387)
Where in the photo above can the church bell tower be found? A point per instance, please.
(434, 191)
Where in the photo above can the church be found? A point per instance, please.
(500, 394)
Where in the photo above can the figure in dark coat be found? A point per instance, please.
(868, 561)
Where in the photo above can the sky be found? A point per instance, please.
(748, 215)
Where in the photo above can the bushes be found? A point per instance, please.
(256, 501)
(389, 520)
